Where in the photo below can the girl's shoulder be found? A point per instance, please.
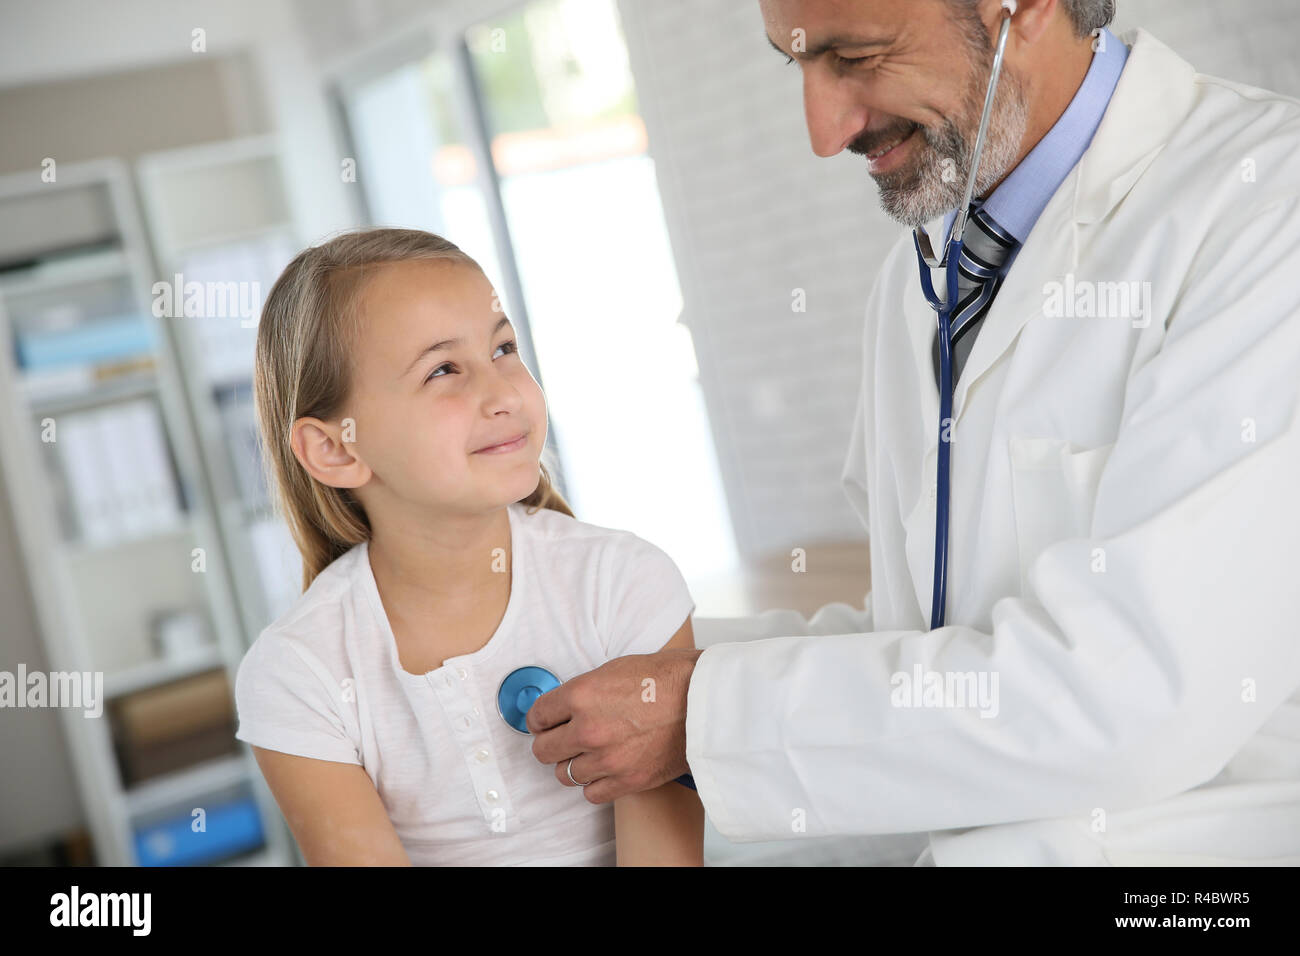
(316, 626)
(639, 597)
(337, 582)
(566, 546)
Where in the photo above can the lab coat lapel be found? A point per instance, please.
(1154, 93)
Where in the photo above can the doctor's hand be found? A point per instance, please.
(623, 733)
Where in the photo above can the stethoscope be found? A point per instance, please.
(520, 689)
(522, 686)
(950, 261)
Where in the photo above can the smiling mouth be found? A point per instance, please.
(890, 147)
(517, 441)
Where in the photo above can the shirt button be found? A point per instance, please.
(492, 796)
(476, 710)
(482, 756)
(447, 680)
(466, 720)
(462, 673)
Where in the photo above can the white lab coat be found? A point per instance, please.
(1125, 522)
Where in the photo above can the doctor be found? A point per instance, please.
(1116, 677)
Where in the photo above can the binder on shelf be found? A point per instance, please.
(239, 428)
(84, 343)
(175, 710)
(231, 828)
(163, 729)
(132, 504)
(118, 472)
(157, 477)
(82, 451)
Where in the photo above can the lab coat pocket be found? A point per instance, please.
(1054, 488)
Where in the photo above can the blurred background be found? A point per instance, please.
(635, 178)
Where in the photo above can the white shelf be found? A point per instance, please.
(153, 673)
(137, 385)
(216, 194)
(97, 603)
(58, 273)
(251, 240)
(160, 792)
(221, 211)
(82, 552)
(269, 230)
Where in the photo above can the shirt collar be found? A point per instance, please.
(1021, 198)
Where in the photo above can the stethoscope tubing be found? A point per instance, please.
(951, 262)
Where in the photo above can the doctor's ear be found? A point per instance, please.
(1031, 18)
(327, 451)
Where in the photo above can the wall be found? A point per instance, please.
(128, 113)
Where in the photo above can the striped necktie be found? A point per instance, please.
(986, 246)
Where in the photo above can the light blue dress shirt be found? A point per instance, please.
(1021, 198)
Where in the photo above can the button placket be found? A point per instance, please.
(455, 694)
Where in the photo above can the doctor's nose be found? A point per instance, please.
(835, 119)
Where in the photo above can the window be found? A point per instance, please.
(571, 207)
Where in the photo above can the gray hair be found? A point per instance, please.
(1088, 16)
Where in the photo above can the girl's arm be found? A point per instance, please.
(333, 810)
(663, 826)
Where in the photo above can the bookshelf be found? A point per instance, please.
(119, 528)
(219, 213)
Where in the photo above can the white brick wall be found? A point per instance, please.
(754, 215)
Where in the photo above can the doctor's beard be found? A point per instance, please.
(933, 182)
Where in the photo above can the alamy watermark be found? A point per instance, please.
(130, 910)
(958, 690)
(1085, 299)
(213, 300)
(56, 689)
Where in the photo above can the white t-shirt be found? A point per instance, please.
(461, 787)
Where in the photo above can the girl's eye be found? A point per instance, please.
(510, 347)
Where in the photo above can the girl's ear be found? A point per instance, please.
(327, 451)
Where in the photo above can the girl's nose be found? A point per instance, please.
(500, 393)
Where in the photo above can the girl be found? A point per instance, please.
(403, 434)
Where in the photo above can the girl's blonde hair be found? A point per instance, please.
(305, 338)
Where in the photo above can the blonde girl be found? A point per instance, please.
(403, 436)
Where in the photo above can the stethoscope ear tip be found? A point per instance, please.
(1010, 6)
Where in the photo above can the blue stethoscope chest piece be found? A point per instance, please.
(520, 688)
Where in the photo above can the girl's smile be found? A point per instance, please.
(505, 447)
